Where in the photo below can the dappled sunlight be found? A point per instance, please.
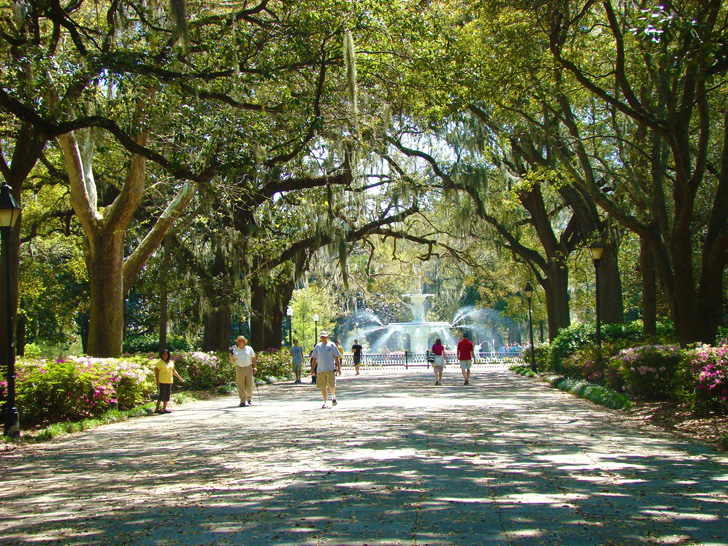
(504, 461)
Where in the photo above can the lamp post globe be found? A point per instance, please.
(289, 312)
(9, 214)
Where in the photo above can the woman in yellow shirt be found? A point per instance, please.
(165, 373)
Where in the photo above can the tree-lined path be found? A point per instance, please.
(506, 460)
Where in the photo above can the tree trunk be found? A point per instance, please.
(217, 324)
(104, 261)
(610, 289)
(556, 290)
(649, 290)
(163, 297)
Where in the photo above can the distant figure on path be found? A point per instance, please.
(439, 364)
(296, 359)
(165, 373)
(341, 355)
(243, 356)
(466, 355)
(356, 349)
(326, 361)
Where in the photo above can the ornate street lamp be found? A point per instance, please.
(289, 312)
(597, 250)
(9, 214)
(315, 325)
(529, 294)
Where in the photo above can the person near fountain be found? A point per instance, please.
(296, 352)
(440, 360)
(326, 361)
(466, 355)
(356, 349)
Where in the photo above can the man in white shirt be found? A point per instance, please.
(326, 361)
(243, 356)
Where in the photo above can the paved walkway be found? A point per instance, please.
(506, 460)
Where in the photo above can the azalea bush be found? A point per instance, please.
(275, 364)
(648, 371)
(73, 388)
(201, 370)
(709, 371)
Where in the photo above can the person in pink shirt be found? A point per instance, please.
(440, 360)
(466, 355)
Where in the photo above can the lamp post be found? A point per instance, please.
(9, 213)
(597, 250)
(529, 294)
(289, 312)
(315, 326)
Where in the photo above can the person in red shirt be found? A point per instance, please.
(466, 355)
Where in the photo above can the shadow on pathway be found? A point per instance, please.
(506, 460)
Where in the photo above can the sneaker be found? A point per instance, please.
(325, 406)
(242, 404)
(166, 411)
(466, 383)
(250, 402)
(333, 402)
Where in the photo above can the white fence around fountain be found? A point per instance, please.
(399, 360)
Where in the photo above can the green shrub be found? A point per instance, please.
(568, 342)
(595, 393)
(541, 353)
(521, 369)
(648, 371)
(150, 344)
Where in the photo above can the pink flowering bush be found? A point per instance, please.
(202, 370)
(71, 388)
(709, 371)
(648, 371)
(591, 364)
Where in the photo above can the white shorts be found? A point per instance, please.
(439, 362)
(465, 364)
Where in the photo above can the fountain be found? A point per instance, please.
(418, 334)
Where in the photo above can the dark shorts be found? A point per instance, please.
(357, 359)
(165, 391)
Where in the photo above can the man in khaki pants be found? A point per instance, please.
(245, 366)
(325, 363)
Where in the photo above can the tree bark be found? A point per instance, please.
(556, 290)
(610, 290)
(217, 323)
(164, 297)
(649, 290)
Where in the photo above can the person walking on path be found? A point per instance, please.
(440, 360)
(296, 359)
(326, 361)
(466, 355)
(341, 356)
(243, 356)
(356, 349)
(165, 373)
